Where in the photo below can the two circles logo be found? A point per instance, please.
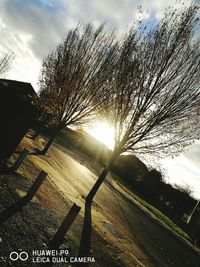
(14, 256)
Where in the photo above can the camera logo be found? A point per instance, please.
(14, 256)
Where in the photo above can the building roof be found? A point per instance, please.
(21, 89)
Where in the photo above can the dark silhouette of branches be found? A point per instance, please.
(5, 62)
(72, 75)
(155, 88)
(185, 189)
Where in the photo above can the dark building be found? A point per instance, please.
(17, 114)
(194, 224)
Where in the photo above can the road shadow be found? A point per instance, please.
(36, 151)
(30, 136)
(85, 243)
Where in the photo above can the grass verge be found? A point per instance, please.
(150, 207)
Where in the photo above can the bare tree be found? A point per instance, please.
(186, 189)
(72, 75)
(155, 89)
(5, 62)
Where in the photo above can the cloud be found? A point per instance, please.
(40, 25)
(193, 154)
(32, 28)
(185, 169)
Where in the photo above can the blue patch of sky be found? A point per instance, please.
(55, 4)
(149, 23)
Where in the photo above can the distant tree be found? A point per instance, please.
(185, 189)
(73, 74)
(155, 88)
(151, 184)
(5, 63)
(180, 198)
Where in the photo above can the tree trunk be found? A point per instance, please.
(56, 132)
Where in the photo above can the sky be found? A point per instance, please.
(184, 170)
(32, 28)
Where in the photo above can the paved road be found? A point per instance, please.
(159, 244)
(121, 221)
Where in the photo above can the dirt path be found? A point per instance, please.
(140, 240)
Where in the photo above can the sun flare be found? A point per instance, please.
(103, 132)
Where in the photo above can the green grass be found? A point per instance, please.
(150, 207)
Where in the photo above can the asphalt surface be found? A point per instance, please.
(141, 239)
(160, 245)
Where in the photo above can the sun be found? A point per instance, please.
(103, 132)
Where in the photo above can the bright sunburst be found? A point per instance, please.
(103, 132)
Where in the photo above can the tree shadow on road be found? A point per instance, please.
(36, 152)
(85, 243)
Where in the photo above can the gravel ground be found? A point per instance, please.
(33, 227)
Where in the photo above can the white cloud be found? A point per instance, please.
(185, 169)
(32, 28)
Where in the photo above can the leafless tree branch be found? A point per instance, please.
(73, 74)
(154, 88)
(5, 62)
